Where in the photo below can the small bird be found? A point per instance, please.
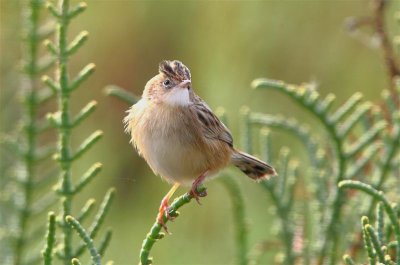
(180, 137)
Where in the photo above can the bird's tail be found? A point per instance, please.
(251, 166)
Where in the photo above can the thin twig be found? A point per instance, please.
(389, 57)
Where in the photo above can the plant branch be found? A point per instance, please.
(239, 218)
(51, 238)
(32, 90)
(390, 59)
(120, 93)
(155, 231)
(64, 138)
(94, 254)
(310, 101)
(378, 195)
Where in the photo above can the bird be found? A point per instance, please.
(180, 137)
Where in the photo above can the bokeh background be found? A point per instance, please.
(226, 44)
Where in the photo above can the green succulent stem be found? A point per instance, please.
(378, 195)
(375, 242)
(120, 93)
(94, 254)
(238, 210)
(391, 153)
(64, 139)
(63, 86)
(31, 128)
(75, 261)
(297, 93)
(51, 238)
(286, 230)
(367, 241)
(347, 259)
(275, 189)
(155, 232)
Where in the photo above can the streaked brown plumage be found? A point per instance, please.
(178, 135)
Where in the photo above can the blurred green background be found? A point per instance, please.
(226, 44)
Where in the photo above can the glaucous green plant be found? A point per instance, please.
(22, 193)
(323, 240)
(361, 141)
(318, 218)
(377, 241)
(63, 86)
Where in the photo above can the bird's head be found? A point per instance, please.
(172, 85)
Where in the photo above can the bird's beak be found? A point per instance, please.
(185, 84)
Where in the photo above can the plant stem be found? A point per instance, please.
(286, 230)
(31, 87)
(51, 238)
(64, 128)
(238, 217)
(125, 96)
(378, 195)
(94, 254)
(332, 233)
(389, 157)
(155, 231)
(389, 57)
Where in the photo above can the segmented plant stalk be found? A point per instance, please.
(33, 66)
(30, 121)
(390, 211)
(63, 86)
(240, 227)
(155, 233)
(64, 140)
(338, 124)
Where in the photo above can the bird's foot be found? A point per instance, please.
(198, 190)
(164, 210)
(160, 218)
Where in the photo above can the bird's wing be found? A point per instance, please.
(211, 126)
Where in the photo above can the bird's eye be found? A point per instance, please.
(167, 83)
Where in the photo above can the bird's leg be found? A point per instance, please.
(164, 207)
(194, 190)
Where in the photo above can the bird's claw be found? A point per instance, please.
(197, 192)
(165, 211)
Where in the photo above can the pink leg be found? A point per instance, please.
(195, 185)
(164, 207)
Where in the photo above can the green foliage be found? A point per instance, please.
(51, 238)
(32, 154)
(311, 228)
(374, 242)
(348, 159)
(120, 93)
(86, 238)
(62, 120)
(315, 209)
(238, 211)
(19, 193)
(155, 233)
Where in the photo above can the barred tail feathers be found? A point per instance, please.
(252, 166)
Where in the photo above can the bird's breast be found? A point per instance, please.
(169, 140)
